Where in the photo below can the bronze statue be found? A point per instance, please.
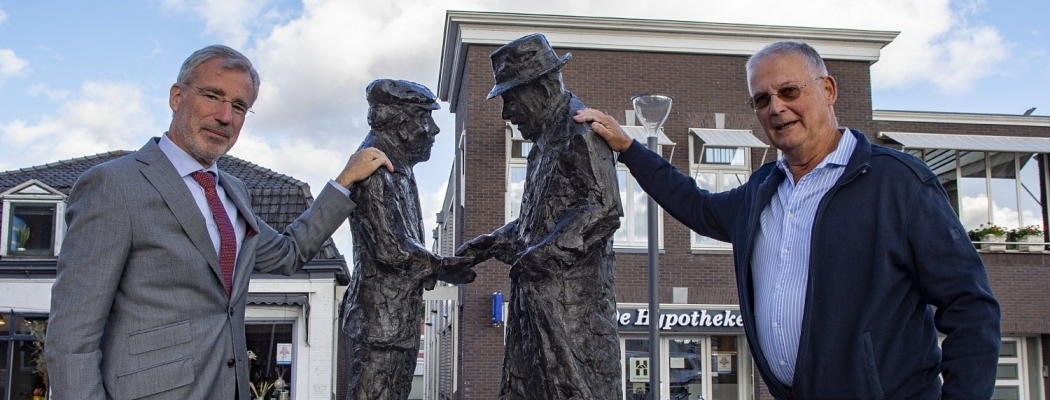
(383, 307)
(561, 340)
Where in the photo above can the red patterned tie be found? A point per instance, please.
(227, 236)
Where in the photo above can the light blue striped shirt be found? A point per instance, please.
(780, 265)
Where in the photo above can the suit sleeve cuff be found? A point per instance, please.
(340, 188)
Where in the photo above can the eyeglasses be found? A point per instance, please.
(786, 93)
(215, 100)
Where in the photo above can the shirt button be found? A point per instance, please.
(778, 286)
(782, 362)
(775, 324)
(231, 362)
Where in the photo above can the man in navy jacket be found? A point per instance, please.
(849, 258)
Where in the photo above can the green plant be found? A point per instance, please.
(39, 332)
(23, 236)
(983, 230)
(1030, 230)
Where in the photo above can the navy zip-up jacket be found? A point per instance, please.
(890, 266)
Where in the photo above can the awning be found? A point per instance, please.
(727, 137)
(285, 299)
(969, 142)
(636, 132)
(280, 299)
(639, 134)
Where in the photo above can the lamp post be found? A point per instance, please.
(652, 111)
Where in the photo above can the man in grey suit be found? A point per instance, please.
(153, 276)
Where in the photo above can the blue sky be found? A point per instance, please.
(80, 78)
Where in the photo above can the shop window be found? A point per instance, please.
(684, 371)
(636, 369)
(23, 375)
(31, 224)
(271, 362)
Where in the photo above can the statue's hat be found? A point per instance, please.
(395, 92)
(522, 61)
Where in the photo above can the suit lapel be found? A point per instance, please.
(166, 180)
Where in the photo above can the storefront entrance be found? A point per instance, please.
(694, 367)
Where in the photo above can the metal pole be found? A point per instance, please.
(654, 290)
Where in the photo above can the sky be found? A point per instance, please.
(85, 77)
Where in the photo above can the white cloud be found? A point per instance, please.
(230, 20)
(3, 16)
(41, 89)
(938, 45)
(10, 64)
(104, 116)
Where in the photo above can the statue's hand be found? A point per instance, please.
(457, 270)
(478, 249)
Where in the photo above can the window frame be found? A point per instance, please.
(32, 193)
(990, 207)
(696, 147)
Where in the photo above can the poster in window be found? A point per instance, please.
(284, 354)
(639, 367)
(725, 362)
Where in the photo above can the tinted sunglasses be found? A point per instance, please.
(786, 93)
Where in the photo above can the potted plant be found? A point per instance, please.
(991, 236)
(23, 237)
(1029, 234)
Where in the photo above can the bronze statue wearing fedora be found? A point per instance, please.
(561, 328)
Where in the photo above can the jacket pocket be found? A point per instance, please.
(160, 337)
(155, 379)
(871, 369)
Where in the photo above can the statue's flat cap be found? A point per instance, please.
(398, 92)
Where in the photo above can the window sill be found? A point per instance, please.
(710, 251)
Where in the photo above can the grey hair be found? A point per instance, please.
(814, 64)
(231, 59)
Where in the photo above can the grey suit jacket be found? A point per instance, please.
(138, 309)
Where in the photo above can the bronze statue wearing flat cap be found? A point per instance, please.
(383, 305)
(561, 339)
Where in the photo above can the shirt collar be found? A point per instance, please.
(838, 158)
(184, 163)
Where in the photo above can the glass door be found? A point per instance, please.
(685, 364)
(726, 362)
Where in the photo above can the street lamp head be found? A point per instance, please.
(652, 111)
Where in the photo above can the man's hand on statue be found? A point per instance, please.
(362, 164)
(606, 127)
(456, 270)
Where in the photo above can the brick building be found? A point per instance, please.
(992, 165)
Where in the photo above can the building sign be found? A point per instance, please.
(682, 320)
(639, 369)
